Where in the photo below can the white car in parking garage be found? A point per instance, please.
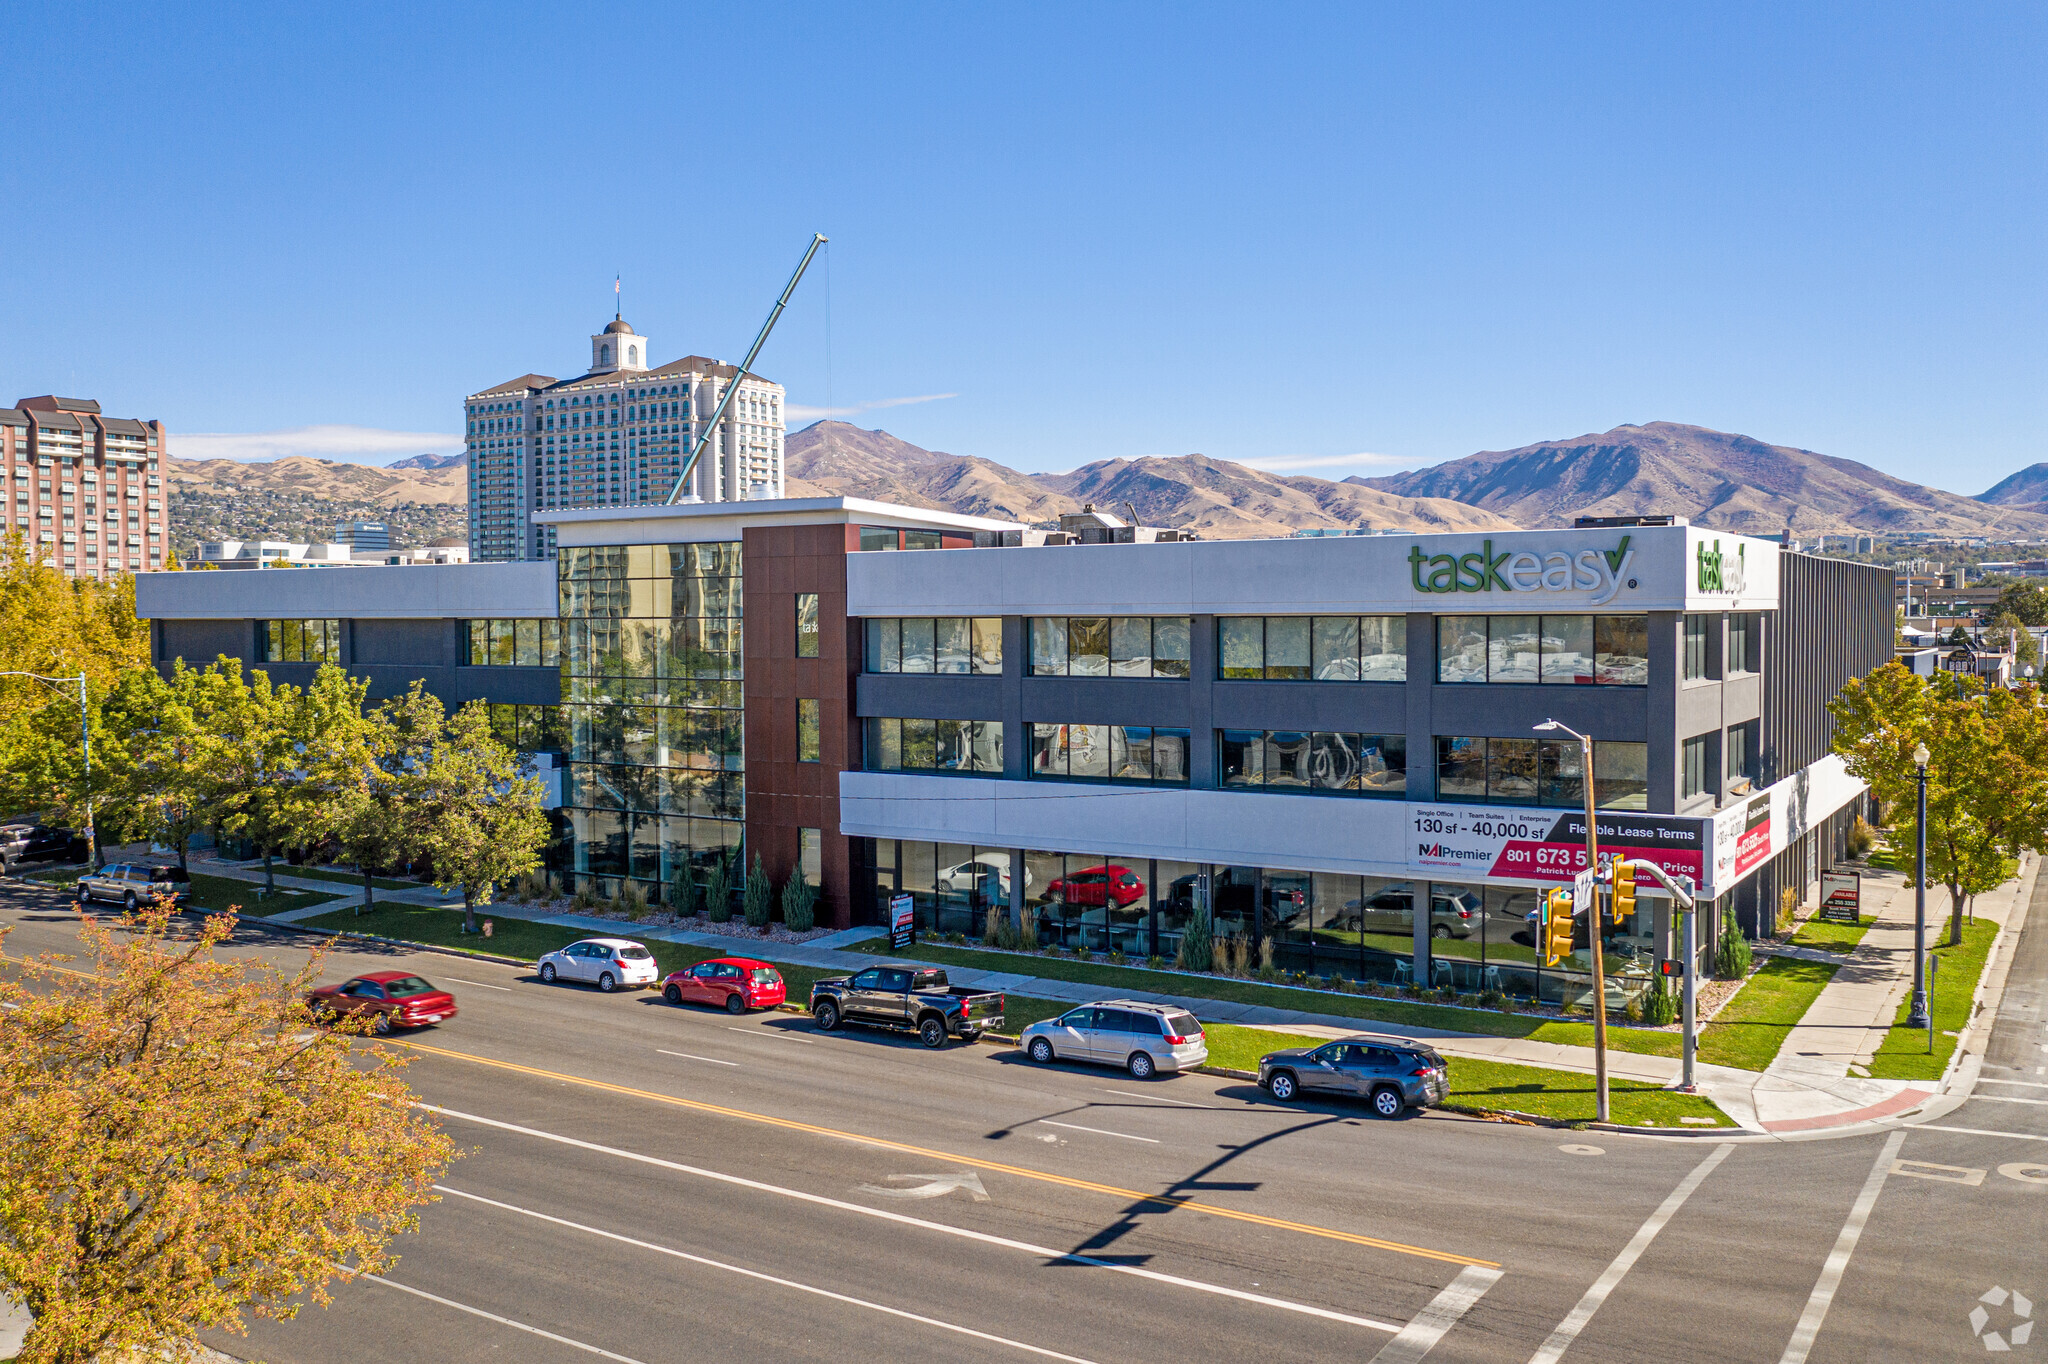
(608, 963)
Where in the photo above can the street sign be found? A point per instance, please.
(1841, 896)
(902, 922)
(1582, 890)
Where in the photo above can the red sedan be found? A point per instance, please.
(398, 998)
(734, 984)
(1094, 887)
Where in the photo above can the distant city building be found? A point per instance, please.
(616, 436)
(333, 554)
(88, 496)
(1866, 544)
(364, 534)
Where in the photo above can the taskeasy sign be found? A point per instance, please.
(1548, 845)
(1598, 571)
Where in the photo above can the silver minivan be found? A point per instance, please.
(1142, 1038)
(134, 883)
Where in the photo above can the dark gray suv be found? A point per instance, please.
(1394, 1073)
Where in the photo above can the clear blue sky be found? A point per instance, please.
(1281, 235)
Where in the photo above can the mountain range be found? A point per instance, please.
(1715, 478)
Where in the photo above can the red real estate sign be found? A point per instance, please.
(1546, 845)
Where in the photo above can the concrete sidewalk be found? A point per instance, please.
(1820, 1077)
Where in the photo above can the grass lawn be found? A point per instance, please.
(1559, 1094)
(217, 893)
(347, 878)
(1831, 937)
(1904, 1054)
(1397, 1013)
(1752, 1026)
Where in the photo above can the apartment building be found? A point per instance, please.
(616, 435)
(86, 490)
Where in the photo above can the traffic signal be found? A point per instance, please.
(1557, 926)
(1623, 902)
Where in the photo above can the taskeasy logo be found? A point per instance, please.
(1718, 572)
(1601, 572)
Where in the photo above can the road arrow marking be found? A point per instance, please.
(934, 1186)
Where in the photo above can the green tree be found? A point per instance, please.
(2024, 601)
(1987, 770)
(176, 774)
(758, 900)
(472, 812)
(2008, 632)
(258, 766)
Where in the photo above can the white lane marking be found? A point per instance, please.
(1568, 1330)
(934, 1186)
(478, 984)
(767, 1278)
(1421, 1334)
(1978, 1132)
(487, 1316)
(689, 1057)
(1994, 1080)
(757, 1032)
(2003, 1099)
(1076, 1127)
(904, 1219)
(1177, 1103)
(1837, 1264)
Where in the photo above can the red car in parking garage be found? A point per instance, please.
(1092, 887)
(734, 984)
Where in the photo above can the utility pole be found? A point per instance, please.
(1593, 921)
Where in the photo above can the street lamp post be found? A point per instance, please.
(1592, 921)
(1918, 1017)
(92, 850)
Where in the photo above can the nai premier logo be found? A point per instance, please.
(1598, 571)
(1718, 572)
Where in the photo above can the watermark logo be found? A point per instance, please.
(2018, 1326)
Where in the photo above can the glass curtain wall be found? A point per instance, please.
(652, 675)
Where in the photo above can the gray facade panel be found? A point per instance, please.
(1358, 707)
(1700, 708)
(199, 642)
(1742, 698)
(929, 697)
(1619, 713)
(407, 643)
(1104, 700)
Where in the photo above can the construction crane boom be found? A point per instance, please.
(732, 389)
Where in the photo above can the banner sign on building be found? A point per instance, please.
(1749, 834)
(1547, 845)
(1841, 896)
(902, 922)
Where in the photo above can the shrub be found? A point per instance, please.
(631, 901)
(1447, 994)
(757, 901)
(1788, 907)
(585, 898)
(682, 894)
(957, 938)
(1492, 999)
(1731, 952)
(1117, 958)
(1266, 958)
(799, 904)
(1197, 950)
(718, 891)
(1660, 1006)
(1862, 838)
(1633, 1010)
(1156, 962)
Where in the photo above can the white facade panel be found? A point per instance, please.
(1643, 568)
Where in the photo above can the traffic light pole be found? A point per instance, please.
(1593, 934)
(1687, 1019)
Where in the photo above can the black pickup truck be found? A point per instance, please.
(907, 997)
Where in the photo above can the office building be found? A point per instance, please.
(362, 535)
(86, 490)
(1330, 745)
(616, 435)
(329, 554)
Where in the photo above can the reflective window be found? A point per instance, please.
(1566, 649)
(1696, 640)
(1549, 772)
(515, 643)
(946, 644)
(1693, 775)
(807, 742)
(969, 747)
(806, 625)
(1312, 648)
(1313, 761)
(301, 641)
(1109, 646)
(1109, 753)
(1745, 639)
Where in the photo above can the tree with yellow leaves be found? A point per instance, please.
(181, 1147)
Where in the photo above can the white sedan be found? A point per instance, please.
(607, 963)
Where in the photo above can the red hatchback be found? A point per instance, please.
(398, 998)
(1093, 887)
(734, 984)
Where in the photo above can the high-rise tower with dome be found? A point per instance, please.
(616, 435)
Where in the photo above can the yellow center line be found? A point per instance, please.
(1089, 1186)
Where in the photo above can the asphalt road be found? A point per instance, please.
(648, 1183)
